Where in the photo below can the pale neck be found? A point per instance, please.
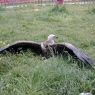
(51, 41)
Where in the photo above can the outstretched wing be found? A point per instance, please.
(22, 46)
(73, 51)
(58, 49)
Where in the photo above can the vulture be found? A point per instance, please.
(48, 49)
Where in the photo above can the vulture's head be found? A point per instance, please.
(51, 38)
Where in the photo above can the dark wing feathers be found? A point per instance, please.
(73, 51)
(79, 54)
(58, 49)
(22, 46)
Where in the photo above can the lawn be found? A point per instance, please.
(25, 74)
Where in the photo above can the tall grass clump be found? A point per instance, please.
(91, 11)
(55, 14)
(58, 9)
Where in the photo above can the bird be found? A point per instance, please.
(46, 45)
(50, 41)
(48, 49)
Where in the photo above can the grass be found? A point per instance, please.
(25, 74)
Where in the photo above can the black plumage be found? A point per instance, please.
(55, 49)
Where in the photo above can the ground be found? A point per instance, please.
(25, 74)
